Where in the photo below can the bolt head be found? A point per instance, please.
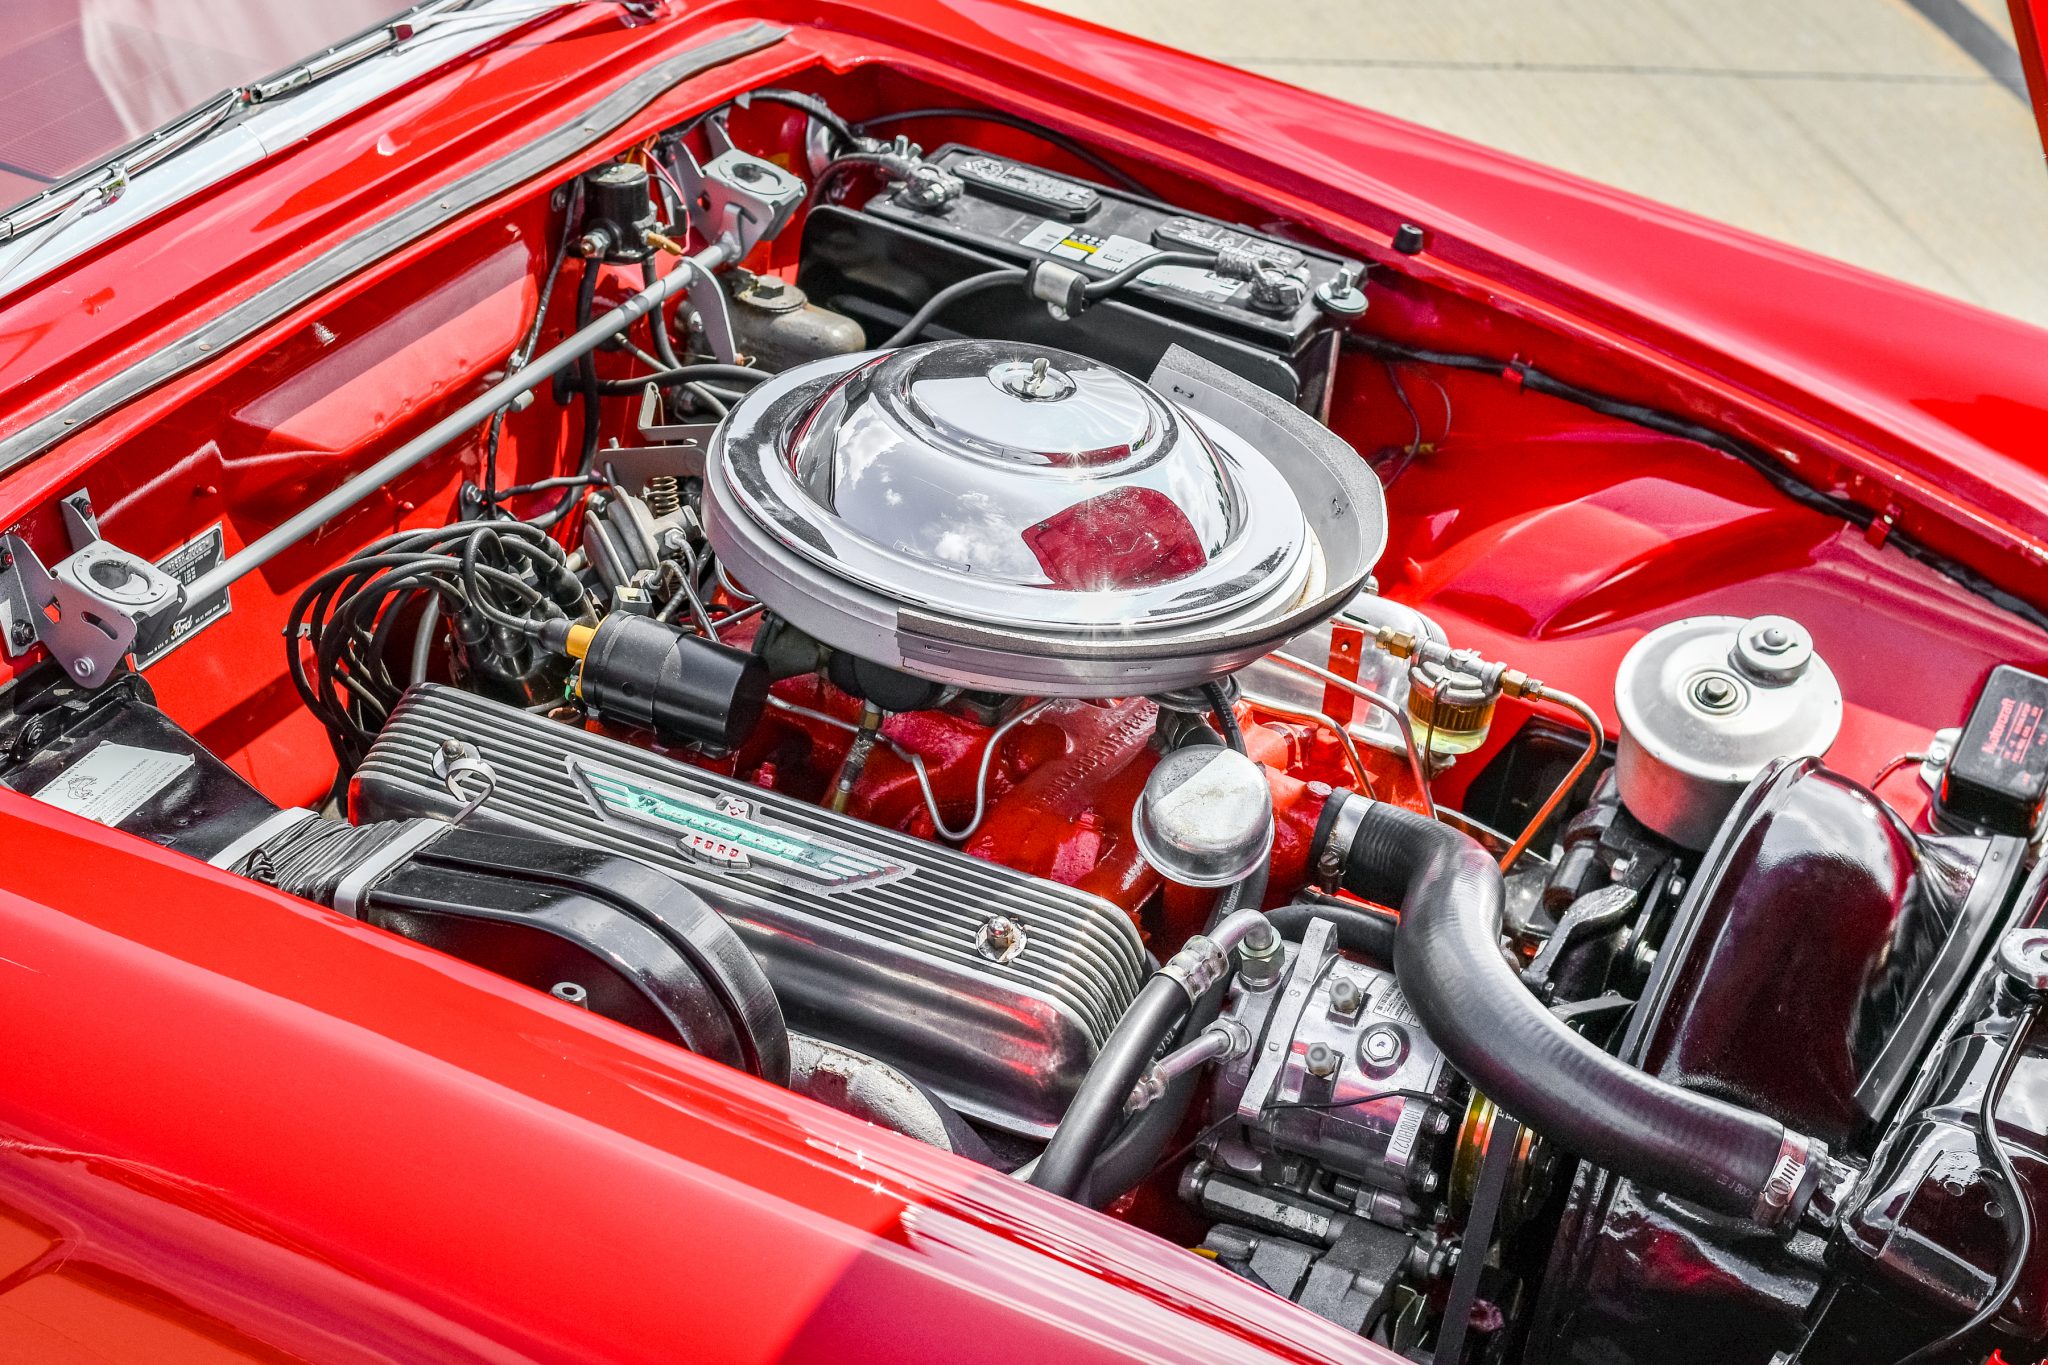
(82, 669)
(1322, 1060)
(1382, 1048)
(999, 938)
(2023, 957)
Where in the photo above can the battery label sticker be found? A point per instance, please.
(185, 564)
(726, 831)
(113, 781)
(1069, 243)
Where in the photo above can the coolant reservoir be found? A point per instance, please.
(1706, 704)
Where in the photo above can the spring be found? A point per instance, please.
(664, 497)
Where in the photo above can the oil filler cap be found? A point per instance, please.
(1205, 817)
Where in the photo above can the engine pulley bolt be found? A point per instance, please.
(1322, 1060)
(1382, 1048)
(2023, 957)
(999, 939)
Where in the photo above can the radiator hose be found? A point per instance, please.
(1448, 959)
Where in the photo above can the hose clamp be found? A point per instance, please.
(1062, 289)
(355, 884)
(1200, 964)
(1791, 1182)
(1347, 815)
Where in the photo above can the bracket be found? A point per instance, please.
(736, 197)
(89, 608)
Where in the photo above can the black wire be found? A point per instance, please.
(1415, 444)
(2021, 1221)
(572, 211)
(945, 298)
(810, 105)
(684, 374)
(586, 368)
(347, 618)
(1376, 1096)
(1667, 424)
(1109, 284)
(1226, 715)
(1070, 146)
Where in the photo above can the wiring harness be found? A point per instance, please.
(495, 584)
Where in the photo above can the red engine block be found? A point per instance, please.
(1059, 793)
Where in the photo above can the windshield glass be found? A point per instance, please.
(81, 79)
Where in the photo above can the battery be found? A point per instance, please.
(1998, 773)
(1022, 214)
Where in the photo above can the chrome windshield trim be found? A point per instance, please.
(94, 204)
(209, 340)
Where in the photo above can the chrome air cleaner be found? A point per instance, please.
(1010, 517)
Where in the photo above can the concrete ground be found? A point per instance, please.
(1888, 133)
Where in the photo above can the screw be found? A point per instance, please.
(1345, 996)
(83, 668)
(24, 635)
(1322, 1060)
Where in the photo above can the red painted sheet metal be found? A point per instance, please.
(280, 1131)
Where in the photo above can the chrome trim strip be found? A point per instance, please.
(211, 339)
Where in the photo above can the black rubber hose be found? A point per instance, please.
(1360, 930)
(1098, 1106)
(686, 374)
(1130, 1156)
(1226, 714)
(1447, 957)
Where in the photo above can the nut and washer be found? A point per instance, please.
(999, 939)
